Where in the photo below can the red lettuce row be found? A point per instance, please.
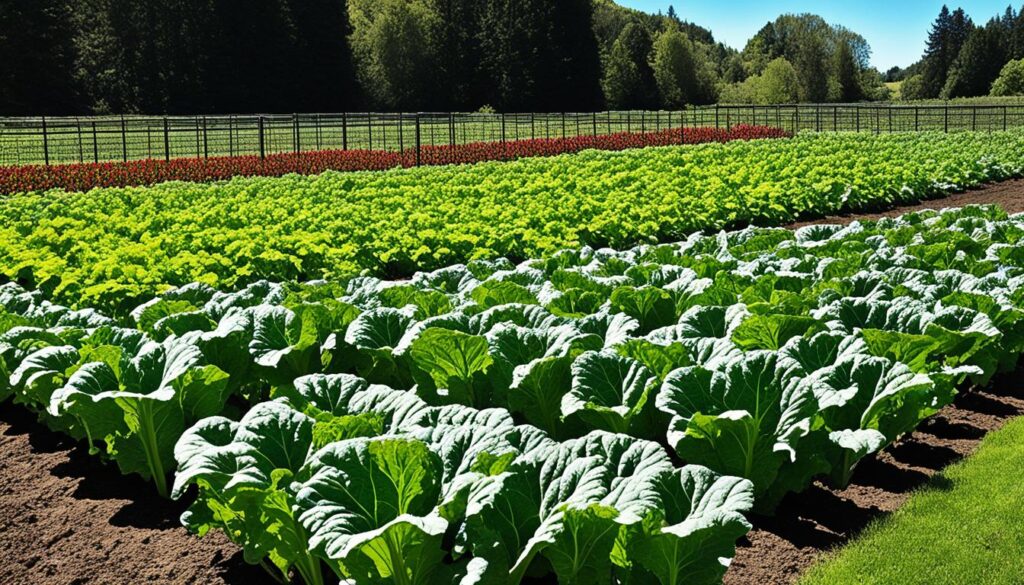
(82, 177)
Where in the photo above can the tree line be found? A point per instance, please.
(803, 58)
(963, 59)
(64, 57)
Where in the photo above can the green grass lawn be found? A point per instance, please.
(968, 532)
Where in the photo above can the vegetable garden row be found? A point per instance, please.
(112, 248)
(601, 416)
(85, 176)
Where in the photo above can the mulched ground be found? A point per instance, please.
(68, 520)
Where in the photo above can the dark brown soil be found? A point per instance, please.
(1009, 195)
(780, 548)
(67, 519)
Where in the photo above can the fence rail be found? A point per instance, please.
(123, 138)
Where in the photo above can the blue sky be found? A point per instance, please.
(896, 29)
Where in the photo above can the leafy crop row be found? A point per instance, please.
(82, 177)
(486, 422)
(112, 248)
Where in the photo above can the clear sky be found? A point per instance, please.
(896, 29)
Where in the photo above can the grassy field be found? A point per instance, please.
(72, 140)
(966, 528)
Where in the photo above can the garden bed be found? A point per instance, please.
(70, 519)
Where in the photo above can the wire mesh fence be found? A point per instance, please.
(108, 139)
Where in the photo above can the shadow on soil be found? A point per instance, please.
(943, 429)
(96, 480)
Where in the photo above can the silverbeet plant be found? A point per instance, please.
(372, 509)
(745, 419)
(451, 494)
(243, 472)
(607, 505)
(139, 405)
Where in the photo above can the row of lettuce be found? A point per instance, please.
(111, 249)
(487, 422)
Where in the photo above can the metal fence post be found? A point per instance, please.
(946, 120)
(198, 153)
(835, 118)
(716, 117)
(401, 132)
(231, 136)
(124, 139)
(1004, 119)
(917, 119)
(974, 119)
(594, 119)
(451, 129)
(643, 122)
(817, 118)
(295, 132)
(81, 147)
(46, 144)
(418, 144)
(344, 131)
(167, 139)
(858, 118)
(384, 133)
(318, 133)
(206, 141)
(95, 144)
(263, 140)
(563, 125)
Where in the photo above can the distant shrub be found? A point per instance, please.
(1011, 80)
